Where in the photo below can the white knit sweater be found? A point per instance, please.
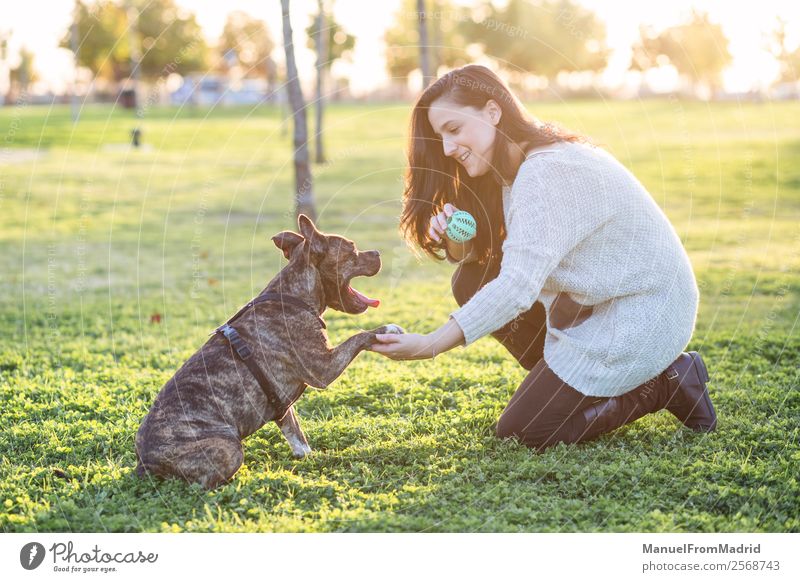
(579, 223)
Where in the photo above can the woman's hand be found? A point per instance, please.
(438, 224)
(413, 346)
(406, 346)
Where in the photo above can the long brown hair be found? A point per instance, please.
(433, 179)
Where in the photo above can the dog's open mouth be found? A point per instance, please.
(363, 298)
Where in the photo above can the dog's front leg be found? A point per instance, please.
(329, 365)
(290, 427)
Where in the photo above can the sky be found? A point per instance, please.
(40, 24)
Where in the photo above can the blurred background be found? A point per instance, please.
(228, 53)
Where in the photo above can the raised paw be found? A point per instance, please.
(390, 328)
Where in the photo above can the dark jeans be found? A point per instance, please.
(545, 410)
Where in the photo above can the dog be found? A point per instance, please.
(259, 363)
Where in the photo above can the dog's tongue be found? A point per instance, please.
(365, 299)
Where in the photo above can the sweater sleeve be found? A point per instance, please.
(546, 219)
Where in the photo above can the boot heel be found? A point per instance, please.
(698, 362)
(692, 404)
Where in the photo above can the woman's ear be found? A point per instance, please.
(494, 111)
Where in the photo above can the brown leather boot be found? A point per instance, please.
(690, 401)
(681, 389)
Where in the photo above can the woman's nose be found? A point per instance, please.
(449, 147)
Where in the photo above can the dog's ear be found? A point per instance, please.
(287, 241)
(315, 240)
(307, 228)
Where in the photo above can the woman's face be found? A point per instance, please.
(467, 133)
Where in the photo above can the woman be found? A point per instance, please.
(574, 269)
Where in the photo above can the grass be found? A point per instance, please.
(95, 239)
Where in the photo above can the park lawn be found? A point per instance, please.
(96, 239)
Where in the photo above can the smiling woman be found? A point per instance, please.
(468, 138)
(591, 290)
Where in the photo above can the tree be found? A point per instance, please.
(171, 40)
(322, 58)
(403, 40)
(646, 53)
(23, 74)
(5, 35)
(304, 196)
(330, 42)
(99, 27)
(340, 42)
(789, 60)
(247, 41)
(697, 49)
(542, 38)
(424, 45)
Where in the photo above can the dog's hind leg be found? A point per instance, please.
(290, 427)
(209, 461)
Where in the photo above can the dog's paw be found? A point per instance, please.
(392, 328)
(301, 451)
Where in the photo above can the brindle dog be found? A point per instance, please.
(195, 427)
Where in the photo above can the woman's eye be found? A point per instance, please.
(455, 130)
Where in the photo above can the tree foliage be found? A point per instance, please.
(697, 49)
(24, 73)
(169, 39)
(446, 37)
(249, 41)
(788, 59)
(543, 38)
(340, 42)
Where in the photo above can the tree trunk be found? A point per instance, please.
(136, 57)
(285, 110)
(322, 57)
(304, 196)
(4, 36)
(271, 72)
(437, 49)
(73, 44)
(424, 48)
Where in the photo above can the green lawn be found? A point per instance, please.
(95, 239)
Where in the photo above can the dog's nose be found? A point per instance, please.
(374, 253)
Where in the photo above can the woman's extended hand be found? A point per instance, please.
(438, 224)
(413, 346)
(406, 346)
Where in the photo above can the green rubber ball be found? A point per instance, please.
(461, 227)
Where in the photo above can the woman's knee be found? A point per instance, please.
(532, 434)
(543, 411)
(523, 427)
(506, 428)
